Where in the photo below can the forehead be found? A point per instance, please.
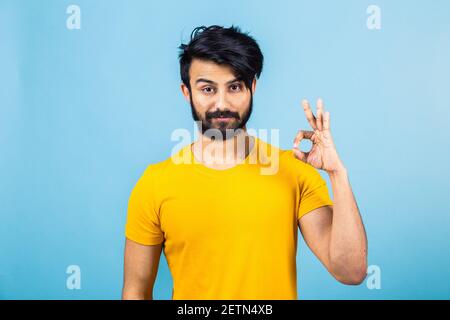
(210, 70)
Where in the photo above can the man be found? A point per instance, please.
(227, 230)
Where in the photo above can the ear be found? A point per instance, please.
(185, 91)
(254, 84)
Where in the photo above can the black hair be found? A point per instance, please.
(224, 46)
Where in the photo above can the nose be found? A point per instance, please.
(222, 102)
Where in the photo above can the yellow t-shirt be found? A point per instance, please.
(228, 234)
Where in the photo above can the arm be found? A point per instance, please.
(336, 233)
(140, 269)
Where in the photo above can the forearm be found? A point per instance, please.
(134, 293)
(348, 242)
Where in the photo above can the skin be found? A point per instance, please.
(140, 269)
(335, 234)
(222, 94)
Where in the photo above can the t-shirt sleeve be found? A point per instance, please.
(313, 191)
(143, 223)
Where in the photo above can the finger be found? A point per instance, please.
(309, 115)
(320, 112)
(326, 121)
(302, 134)
(300, 155)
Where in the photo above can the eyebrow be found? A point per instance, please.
(212, 82)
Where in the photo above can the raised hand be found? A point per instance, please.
(323, 154)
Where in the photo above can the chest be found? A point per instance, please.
(254, 206)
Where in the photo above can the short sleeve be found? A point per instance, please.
(143, 223)
(313, 191)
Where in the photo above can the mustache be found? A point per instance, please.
(221, 114)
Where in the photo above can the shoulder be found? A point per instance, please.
(289, 164)
(285, 156)
(169, 165)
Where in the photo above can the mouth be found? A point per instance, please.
(223, 119)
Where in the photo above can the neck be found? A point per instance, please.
(223, 153)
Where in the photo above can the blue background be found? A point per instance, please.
(83, 112)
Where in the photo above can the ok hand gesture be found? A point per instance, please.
(323, 154)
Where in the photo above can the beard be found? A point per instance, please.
(221, 130)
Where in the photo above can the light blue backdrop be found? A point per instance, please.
(84, 111)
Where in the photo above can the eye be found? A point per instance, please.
(208, 90)
(236, 87)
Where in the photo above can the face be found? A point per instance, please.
(218, 99)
